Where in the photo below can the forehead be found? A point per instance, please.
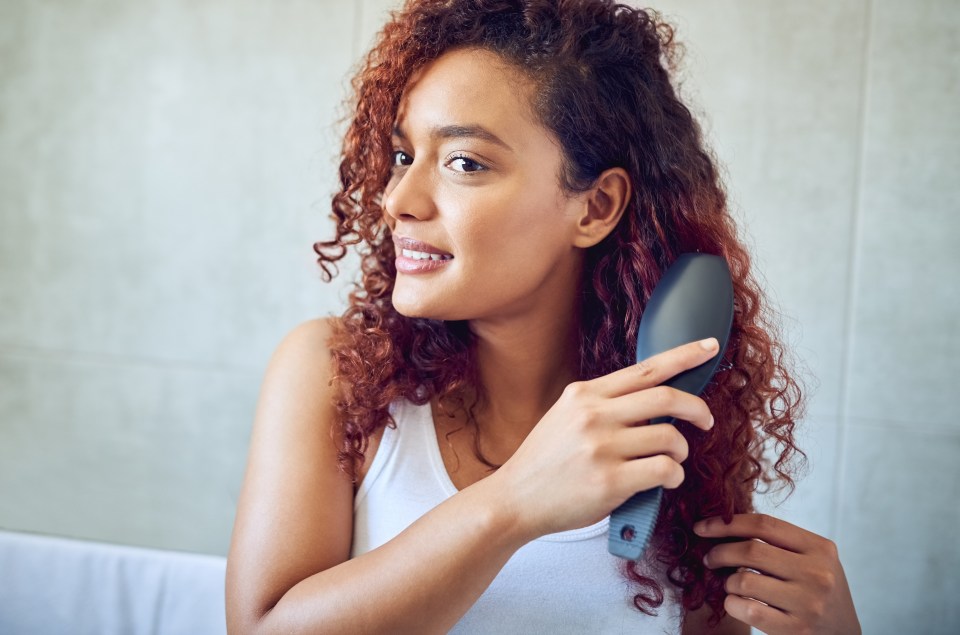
(469, 86)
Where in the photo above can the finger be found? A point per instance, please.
(762, 617)
(650, 440)
(779, 594)
(766, 528)
(646, 473)
(754, 555)
(659, 401)
(656, 369)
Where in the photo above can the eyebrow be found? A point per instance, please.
(460, 132)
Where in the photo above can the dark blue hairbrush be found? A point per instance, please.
(692, 301)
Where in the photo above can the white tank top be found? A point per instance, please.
(560, 583)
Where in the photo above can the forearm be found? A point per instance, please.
(422, 581)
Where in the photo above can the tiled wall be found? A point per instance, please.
(164, 168)
(838, 122)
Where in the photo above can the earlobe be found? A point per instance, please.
(604, 205)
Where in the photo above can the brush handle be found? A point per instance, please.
(631, 524)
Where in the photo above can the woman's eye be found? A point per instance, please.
(401, 158)
(463, 164)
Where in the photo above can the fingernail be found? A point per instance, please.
(710, 425)
(699, 527)
(709, 344)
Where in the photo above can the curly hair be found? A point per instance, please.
(602, 73)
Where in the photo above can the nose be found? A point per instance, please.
(409, 196)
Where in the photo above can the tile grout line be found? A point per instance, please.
(54, 355)
(853, 278)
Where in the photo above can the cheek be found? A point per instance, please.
(519, 241)
(498, 228)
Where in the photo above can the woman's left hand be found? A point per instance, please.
(788, 580)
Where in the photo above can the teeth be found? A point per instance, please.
(422, 255)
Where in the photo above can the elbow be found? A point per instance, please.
(268, 621)
(242, 625)
(247, 618)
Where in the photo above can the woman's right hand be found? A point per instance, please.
(590, 452)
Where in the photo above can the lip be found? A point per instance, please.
(403, 242)
(413, 266)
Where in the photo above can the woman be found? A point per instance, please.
(518, 174)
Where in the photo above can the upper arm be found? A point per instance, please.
(696, 622)
(295, 512)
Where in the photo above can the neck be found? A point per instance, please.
(525, 362)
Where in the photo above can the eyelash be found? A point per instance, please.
(479, 166)
(396, 156)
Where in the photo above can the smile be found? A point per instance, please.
(422, 255)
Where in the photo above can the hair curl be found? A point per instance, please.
(603, 77)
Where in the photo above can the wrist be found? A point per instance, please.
(502, 513)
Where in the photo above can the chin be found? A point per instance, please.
(435, 301)
(414, 312)
(409, 305)
(423, 309)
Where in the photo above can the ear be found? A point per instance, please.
(603, 205)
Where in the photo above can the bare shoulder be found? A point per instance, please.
(295, 512)
(307, 345)
(307, 351)
(298, 395)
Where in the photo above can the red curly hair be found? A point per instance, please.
(603, 77)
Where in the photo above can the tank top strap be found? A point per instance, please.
(406, 478)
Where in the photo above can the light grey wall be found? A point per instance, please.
(165, 167)
(839, 123)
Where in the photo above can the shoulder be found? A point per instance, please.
(295, 510)
(302, 366)
(302, 373)
(298, 395)
(307, 343)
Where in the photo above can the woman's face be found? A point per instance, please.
(476, 177)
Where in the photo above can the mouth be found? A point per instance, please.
(419, 250)
(418, 257)
(423, 255)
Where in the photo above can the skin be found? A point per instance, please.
(789, 580)
(519, 302)
(572, 449)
